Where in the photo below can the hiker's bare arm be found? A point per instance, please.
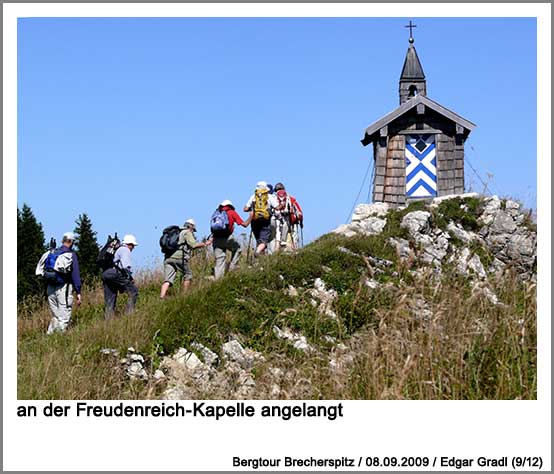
(246, 223)
(200, 245)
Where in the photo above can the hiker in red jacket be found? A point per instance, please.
(288, 215)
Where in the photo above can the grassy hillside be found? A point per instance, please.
(457, 344)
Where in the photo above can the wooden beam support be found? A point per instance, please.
(384, 131)
(429, 131)
(459, 129)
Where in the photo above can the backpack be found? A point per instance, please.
(169, 241)
(219, 223)
(39, 271)
(284, 202)
(57, 266)
(261, 204)
(106, 254)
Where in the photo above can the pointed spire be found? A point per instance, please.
(412, 78)
(412, 69)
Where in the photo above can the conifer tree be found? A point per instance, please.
(30, 247)
(86, 247)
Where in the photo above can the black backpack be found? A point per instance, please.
(169, 241)
(106, 254)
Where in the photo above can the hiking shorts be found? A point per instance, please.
(261, 228)
(171, 266)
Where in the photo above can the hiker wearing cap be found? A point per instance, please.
(222, 225)
(261, 206)
(119, 278)
(179, 260)
(288, 215)
(61, 272)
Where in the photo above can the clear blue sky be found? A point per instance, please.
(143, 123)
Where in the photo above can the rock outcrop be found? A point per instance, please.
(458, 229)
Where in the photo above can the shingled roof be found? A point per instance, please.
(408, 105)
(412, 67)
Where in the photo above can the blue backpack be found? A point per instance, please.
(55, 274)
(219, 223)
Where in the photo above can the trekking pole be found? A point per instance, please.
(249, 247)
(302, 235)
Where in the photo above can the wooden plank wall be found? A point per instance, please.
(391, 178)
(380, 154)
(450, 165)
(390, 165)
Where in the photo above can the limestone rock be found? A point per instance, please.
(158, 375)
(420, 309)
(298, 341)
(244, 357)
(325, 297)
(347, 230)
(521, 247)
(436, 201)
(492, 206)
(275, 391)
(136, 358)
(347, 251)
(210, 357)
(497, 267)
(502, 223)
(474, 264)
(373, 284)
(174, 393)
(339, 362)
(112, 352)
(188, 359)
(402, 246)
(291, 291)
(458, 231)
(363, 211)
(433, 250)
(380, 262)
(469, 264)
(276, 372)
(483, 290)
(135, 370)
(416, 222)
(513, 208)
(371, 226)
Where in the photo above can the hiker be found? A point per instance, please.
(119, 278)
(222, 225)
(60, 268)
(288, 215)
(261, 205)
(179, 260)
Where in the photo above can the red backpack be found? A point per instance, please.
(283, 202)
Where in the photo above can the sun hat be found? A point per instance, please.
(130, 239)
(191, 222)
(68, 236)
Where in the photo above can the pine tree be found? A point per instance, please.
(30, 247)
(86, 247)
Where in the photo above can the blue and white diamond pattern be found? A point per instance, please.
(421, 166)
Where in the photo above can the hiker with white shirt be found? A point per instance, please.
(60, 269)
(119, 278)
